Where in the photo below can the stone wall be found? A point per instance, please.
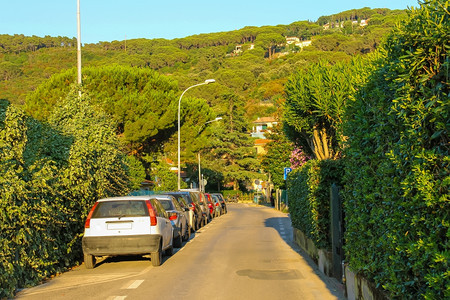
(322, 258)
(357, 288)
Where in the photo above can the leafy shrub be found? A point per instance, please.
(396, 184)
(50, 174)
(309, 198)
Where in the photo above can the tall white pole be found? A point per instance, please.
(199, 174)
(179, 105)
(79, 46)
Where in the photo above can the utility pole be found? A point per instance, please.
(79, 48)
(199, 174)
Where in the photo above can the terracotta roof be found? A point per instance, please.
(261, 141)
(265, 120)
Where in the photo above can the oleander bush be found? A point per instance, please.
(396, 192)
(309, 198)
(50, 175)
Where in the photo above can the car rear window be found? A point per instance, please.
(181, 199)
(167, 204)
(120, 208)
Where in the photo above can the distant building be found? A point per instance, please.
(237, 49)
(260, 145)
(303, 44)
(292, 40)
(263, 125)
(363, 23)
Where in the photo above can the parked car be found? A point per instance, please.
(194, 205)
(205, 206)
(129, 225)
(181, 228)
(199, 197)
(184, 203)
(211, 205)
(222, 202)
(217, 205)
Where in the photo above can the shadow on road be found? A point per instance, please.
(284, 228)
(116, 259)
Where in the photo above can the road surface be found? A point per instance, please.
(246, 254)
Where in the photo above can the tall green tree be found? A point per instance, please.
(315, 100)
(270, 41)
(142, 103)
(233, 150)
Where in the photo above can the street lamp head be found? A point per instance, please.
(208, 81)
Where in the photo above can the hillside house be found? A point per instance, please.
(262, 125)
(260, 145)
(292, 40)
(303, 44)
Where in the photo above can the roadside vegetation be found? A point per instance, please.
(388, 148)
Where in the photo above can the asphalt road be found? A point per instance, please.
(245, 254)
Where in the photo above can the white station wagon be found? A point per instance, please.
(130, 225)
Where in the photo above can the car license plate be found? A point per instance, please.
(119, 225)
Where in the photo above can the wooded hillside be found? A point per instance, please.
(256, 74)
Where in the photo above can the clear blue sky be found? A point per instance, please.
(108, 20)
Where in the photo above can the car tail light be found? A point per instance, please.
(88, 220)
(151, 212)
(173, 216)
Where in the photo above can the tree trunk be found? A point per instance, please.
(320, 144)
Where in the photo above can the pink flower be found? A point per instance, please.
(298, 158)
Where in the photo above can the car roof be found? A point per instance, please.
(135, 198)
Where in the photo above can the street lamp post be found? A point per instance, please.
(200, 181)
(208, 81)
(78, 49)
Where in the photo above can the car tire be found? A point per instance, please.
(195, 225)
(156, 257)
(177, 241)
(187, 234)
(89, 261)
(169, 251)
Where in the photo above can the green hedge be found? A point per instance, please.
(50, 174)
(309, 198)
(396, 193)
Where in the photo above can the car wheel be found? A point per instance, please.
(177, 242)
(169, 250)
(195, 227)
(89, 261)
(188, 233)
(156, 257)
